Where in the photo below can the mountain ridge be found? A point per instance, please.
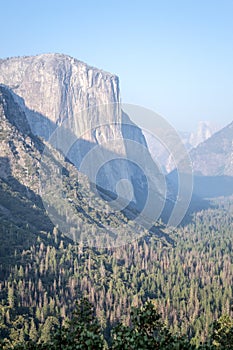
(57, 54)
(27, 163)
(214, 157)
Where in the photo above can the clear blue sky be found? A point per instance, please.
(175, 57)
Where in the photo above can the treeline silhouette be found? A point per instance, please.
(146, 331)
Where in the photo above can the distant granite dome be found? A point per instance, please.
(205, 130)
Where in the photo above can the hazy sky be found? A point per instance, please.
(175, 57)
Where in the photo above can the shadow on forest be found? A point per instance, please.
(22, 215)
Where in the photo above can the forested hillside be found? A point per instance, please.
(190, 283)
(187, 273)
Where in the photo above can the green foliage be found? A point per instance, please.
(146, 332)
(48, 327)
(82, 332)
(223, 333)
(33, 334)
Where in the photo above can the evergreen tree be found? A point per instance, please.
(82, 332)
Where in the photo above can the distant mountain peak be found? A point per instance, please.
(205, 130)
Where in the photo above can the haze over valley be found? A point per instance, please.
(116, 176)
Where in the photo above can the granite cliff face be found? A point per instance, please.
(56, 87)
(55, 90)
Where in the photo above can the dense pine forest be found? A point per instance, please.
(188, 281)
